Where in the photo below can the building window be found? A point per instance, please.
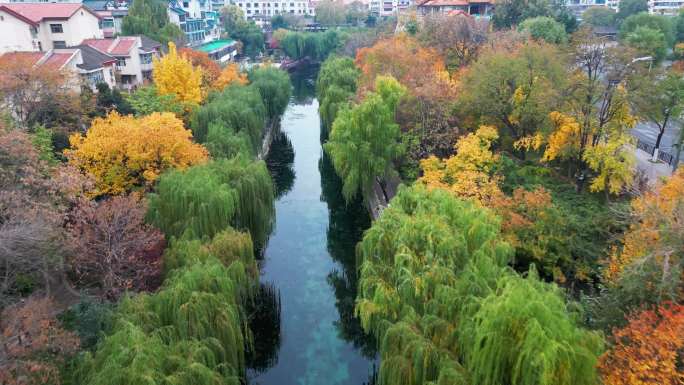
(108, 23)
(58, 44)
(94, 78)
(186, 4)
(120, 62)
(34, 32)
(146, 58)
(56, 28)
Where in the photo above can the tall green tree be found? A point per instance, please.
(599, 17)
(514, 89)
(544, 28)
(274, 87)
(204, 200)
(435, 289)
(631, 7)
(335, 87)
(150, 18)
(248, 33)
(659, 99)
(364, 140)
(647, 41)
(659, 23)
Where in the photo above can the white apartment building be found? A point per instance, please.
(388, 7)
(665, 7)
(259, 9)
(45, 26)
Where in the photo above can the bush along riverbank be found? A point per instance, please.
(215, 215)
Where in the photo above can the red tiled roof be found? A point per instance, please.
(443, 3)
(116, 47)
(35, 13)
(53, 59)
(123, 47)
(58, 59)
(31, 57)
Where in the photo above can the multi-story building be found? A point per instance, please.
(665, 7)
(133, 56)
(197, 18)
(260, 9)
(388, 7)
(45, 26)
(477, 8)
(111, 12)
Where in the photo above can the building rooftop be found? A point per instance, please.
(215, 45)
(57, 59)
(120, 46)
(35, 13)
(92, 58)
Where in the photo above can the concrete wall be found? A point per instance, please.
(15, 35)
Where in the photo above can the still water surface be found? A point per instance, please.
(310, 260)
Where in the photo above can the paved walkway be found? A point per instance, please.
(653, 171)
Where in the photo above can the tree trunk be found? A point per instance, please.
(656, 148)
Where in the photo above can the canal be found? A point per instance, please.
(310, 263)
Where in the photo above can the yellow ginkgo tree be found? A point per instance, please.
(468, 173)
(123, 153)
(175, 75)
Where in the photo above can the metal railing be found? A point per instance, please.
(666, 157)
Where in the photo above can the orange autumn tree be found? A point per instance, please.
(125, 152)
(656, 236)
(403, 58)
(648, 350)
(210, 69)
(230, 74)
(175, 75)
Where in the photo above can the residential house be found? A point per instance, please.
(665, 7)
(86, 65)
(96, 67)
(133, 56)
(111, 12)
(45, 26)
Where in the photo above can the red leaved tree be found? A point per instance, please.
(33, 344)
(112, 248)
(649, 350)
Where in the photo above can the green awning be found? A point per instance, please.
(215, 45)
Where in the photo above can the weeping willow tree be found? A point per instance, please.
(314, 45)
(364, 140)
(335, 86)
(238, 109)
(193, 331)
(274, 87)
(525, 334)
(436, 290)
(204, 200)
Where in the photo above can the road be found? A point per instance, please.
(648, 133)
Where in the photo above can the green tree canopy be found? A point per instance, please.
(150, 18)
(364, 140)
(599, 17)
(631, 7)
(204, 200)
(435, 289)
(544, 28)
(335, 86)
(659, 23)
(239, 109)
(510, 13)
(274, 87)
(647, 41)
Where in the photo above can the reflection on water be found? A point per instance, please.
(264, 316)
(279, 163)
(309, 260)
